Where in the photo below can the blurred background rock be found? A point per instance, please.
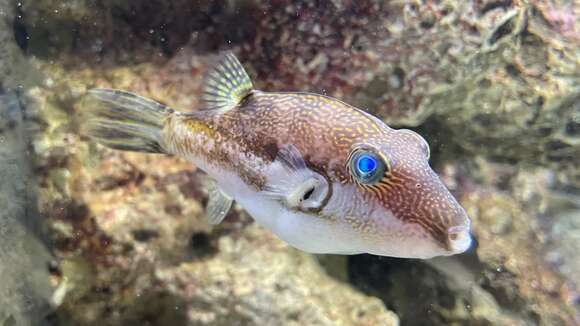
(493, 85)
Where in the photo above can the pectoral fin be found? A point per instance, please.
(218, 205)
(294, 184)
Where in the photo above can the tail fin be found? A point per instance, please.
(125, 121)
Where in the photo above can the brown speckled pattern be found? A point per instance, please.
(325, 131)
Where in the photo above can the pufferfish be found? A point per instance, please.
(324, 176)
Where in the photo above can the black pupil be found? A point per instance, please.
(307, 194)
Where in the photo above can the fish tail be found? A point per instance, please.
(125, 121)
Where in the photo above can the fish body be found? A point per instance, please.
(323, 175)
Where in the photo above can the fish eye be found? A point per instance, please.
(367, 167)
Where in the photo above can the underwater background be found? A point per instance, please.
(92, 236)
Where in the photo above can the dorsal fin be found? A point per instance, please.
(226, 84)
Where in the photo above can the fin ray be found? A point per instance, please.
(219, 204)
(125, 121)
(226, 85)
(292, 183)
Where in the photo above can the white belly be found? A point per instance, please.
(303, 231)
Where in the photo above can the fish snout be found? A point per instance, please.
(446, 220)
(459, 237)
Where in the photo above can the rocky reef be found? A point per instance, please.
(493, 85)
(26, 294)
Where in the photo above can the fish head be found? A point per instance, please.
(396, 202)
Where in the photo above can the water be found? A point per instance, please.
(94, 236)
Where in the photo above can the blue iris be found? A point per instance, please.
(366, 164)
(367, 167)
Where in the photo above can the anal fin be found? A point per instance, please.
(218, 205)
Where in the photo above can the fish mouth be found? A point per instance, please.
(459, 238)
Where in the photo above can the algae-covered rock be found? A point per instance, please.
(15, 71)
(441, 292)
(257, 280)
(532, 255)
(519, 98)
(515, 269)
(562, 254)
(25, 285)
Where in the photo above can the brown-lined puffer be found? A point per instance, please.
(324, 176)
